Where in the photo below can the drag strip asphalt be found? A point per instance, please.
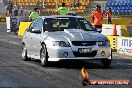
(16, 73)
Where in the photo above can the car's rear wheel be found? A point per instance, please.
(106, 62)
(44, 56)
(24, 53)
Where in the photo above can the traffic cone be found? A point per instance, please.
(114, 31)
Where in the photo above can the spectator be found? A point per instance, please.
(131, 24)
(34, 14)
(21, 10)
(15, 10)
(63, 10)
(71, 6)
(77, 4)
(109, 15)
(5, 2)
(44, 4)
(7, 10)
(10, 7)
(38, 6)
(97, 18)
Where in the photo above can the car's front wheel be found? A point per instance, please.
(106, 62)
(44, 55)
(24, 53)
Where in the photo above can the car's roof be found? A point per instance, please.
(53, 16)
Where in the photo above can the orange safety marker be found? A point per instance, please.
(114, 31)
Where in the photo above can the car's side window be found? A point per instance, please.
(48, 24)
(36, 24)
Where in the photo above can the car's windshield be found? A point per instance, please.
(61, 23)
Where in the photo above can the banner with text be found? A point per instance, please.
(124, 45)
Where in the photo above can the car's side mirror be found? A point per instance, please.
(99, 30)
(36, 31)
(94, 27)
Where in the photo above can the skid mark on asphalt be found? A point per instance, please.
(14, 36)
(10, 42)
(121, 56)
(122, 63)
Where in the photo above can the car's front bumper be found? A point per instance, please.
(68, 53)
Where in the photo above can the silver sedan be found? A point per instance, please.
(55, 38)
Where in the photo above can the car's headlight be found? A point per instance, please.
(104, 43)
(61, 43)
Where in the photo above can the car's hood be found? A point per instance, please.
(75, 35)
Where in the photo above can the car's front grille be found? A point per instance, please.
(90, 54)
(84, 43)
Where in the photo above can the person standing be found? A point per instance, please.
(7, 10)
(21, 10)
(44, 4)
(39, 7)
(109, 15)
(10, 7)
(71, 6)
(97, 18)
(63, 10)
(34, 14)
(15, 10)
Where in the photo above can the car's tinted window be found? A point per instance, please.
(85, 25)
(59, 24)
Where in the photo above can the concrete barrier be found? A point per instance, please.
(22, 27)
(2, 19)
(107, 29)
(121, 44)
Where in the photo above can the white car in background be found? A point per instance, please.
(55, 38)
